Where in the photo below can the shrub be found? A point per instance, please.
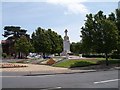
(4, 55)
(115, 56)
(93, 56)
(82, 64)
(110, 61)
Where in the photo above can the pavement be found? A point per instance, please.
(34, 69)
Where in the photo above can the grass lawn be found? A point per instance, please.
(84, 62)
(66, 63)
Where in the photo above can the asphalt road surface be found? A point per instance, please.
(101, 79)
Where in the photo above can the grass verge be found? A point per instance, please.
(83, 63)
(74, 63)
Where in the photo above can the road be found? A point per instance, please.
(101, 79)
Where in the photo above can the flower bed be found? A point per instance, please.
(50, 61)
(10, 65)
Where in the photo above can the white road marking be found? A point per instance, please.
(106, 81)
(52, 88)
(11, 76)
(58, 87)
(29, 76)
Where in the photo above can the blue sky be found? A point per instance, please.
(55, 14)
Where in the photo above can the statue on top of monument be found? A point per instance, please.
(66, 38)
(66, 32)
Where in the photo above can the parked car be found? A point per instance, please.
(46, 57)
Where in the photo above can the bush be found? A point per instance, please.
(93, 56)
(115, 56)
(110, 61)
(4, 55)
(82, 64)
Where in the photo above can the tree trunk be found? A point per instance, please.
(26, 56)
(106, 56)
(44, 55)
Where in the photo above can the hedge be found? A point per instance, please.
(82, 64)
(110, 61)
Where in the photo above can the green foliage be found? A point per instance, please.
(93, 56)
(15, 31)
(82, 64)
(74, 63)
(115, 17)
(4, 55)
(65, 64)
(55, 41)
(12, 33)
(1, 51)
(85, 62)
(76, 47)
(23, 45)
(117, 61)
(118, 27)
(99, 34)
(46, 41)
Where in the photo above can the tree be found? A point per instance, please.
(46, 41)
(56, 41)
(40, 41)
(23, 46)
(115, 17)
(99, 34)
(118, 27)
(87, 32)
(76, 47)
(12, 33)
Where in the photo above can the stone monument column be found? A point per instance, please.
(66, 45)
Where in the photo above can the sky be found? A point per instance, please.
(57, 15)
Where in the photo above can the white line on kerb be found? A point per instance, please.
(106, 81)
(26, 76)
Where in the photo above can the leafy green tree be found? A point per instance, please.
(76, 47)
(118, 27)
(55, 41)
(23, 46)
(12, 33)
(112, 17)
(116, 18)
(99, 34)
(46, 41)
(41, 41)
(87, 34)
(72, 47)
(15, 31)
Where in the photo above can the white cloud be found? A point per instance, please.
(72, 6)
(76, 8)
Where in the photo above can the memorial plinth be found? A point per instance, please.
(66, 45)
